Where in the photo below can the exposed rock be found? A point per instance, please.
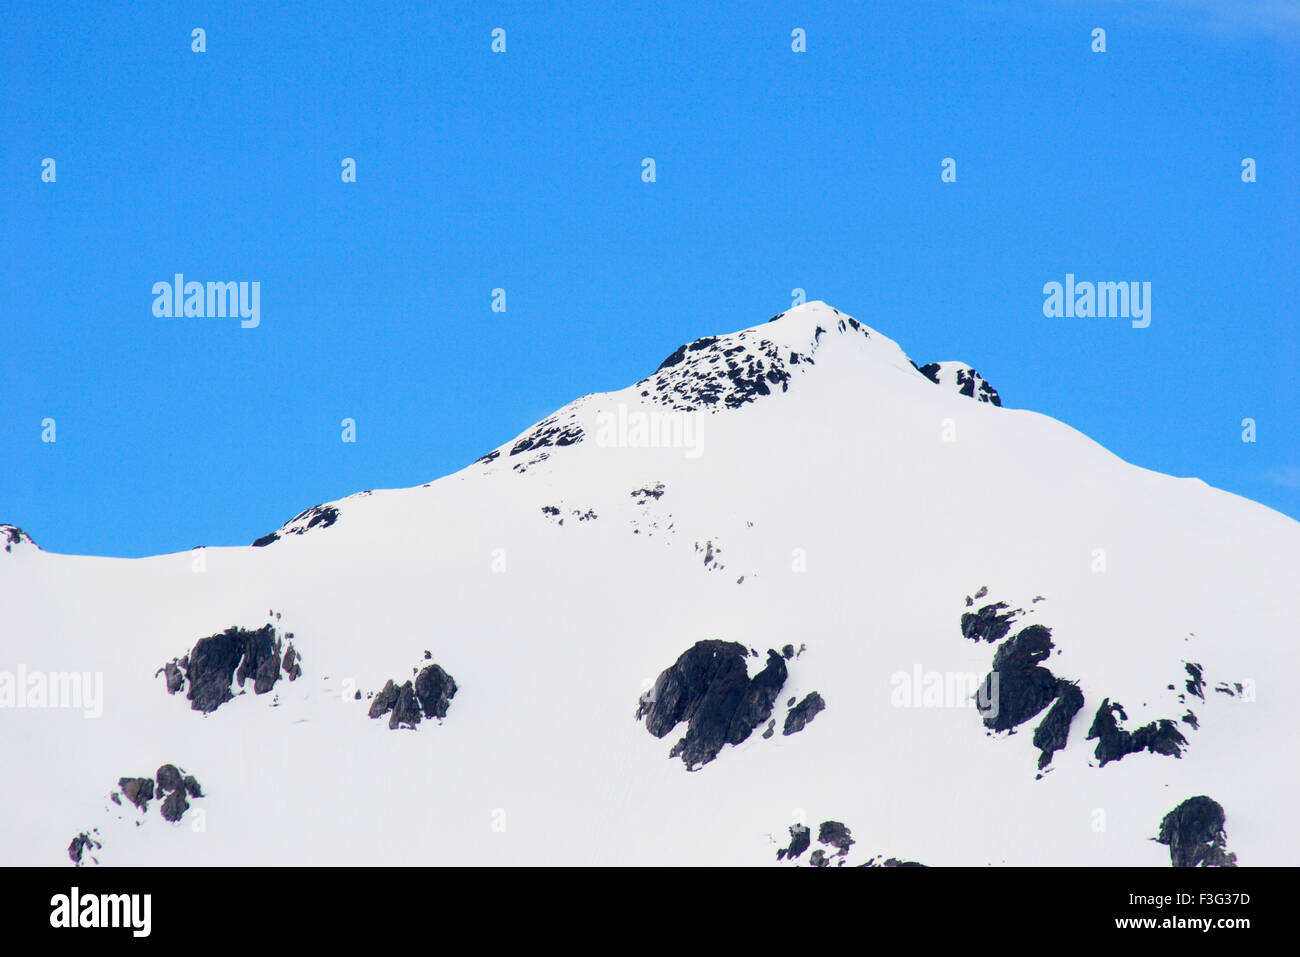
(801, 715)
(80, 844)
(169, 779)
(891, 862)
(434, 688)
(800, 839)
(1053, 731)
(139, 791)
(320, 516)
(292, 663)
(174, 806)
(1023, 687)
(1195, 836)
(235, 655)
(384, 701)
(175, 677)
(991, 623)
(429, 696)
(11, 536)
(709, 688)
(549, 432)
(836, 835)
(1113, 742)
(406, 710)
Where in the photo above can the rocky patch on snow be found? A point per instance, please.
(558, 514)
(1113, 742)
(1019, 687)
(1194, 832)
(171, 787)
(428, 695)
(319, 516)
(234, 656)
(727, 372)
(962, 379)
(837, 840)
(11, 537)
(710, 689)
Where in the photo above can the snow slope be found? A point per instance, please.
(797, 483)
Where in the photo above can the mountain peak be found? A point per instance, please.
(728, 371)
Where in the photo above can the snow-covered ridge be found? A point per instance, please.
(13, 538)
(826, 593)
(718, 373)
(960, 378)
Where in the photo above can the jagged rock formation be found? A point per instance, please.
(1195, 834)
(428, 696)
(235, 655)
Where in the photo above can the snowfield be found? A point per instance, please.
(798, 483)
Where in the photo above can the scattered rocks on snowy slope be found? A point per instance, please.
(1018, 687)
(837, 839)
(710, 689)
(170, 785)
(428, 696)
(1194, 833)
(235, 655)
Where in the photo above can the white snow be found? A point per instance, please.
(858, 530)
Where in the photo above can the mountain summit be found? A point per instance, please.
(790, 599)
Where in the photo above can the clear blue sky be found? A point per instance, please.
(776, 170)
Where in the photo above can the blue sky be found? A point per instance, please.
(522, 170)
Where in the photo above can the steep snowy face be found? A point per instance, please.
(777, 602)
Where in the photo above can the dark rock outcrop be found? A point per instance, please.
(1053, 731)
(174, 806)
(1023, 687)
(709, 688)
(169, 778)
(800, 839)
(1113, 742)
(1195, 836)
(836, 835)
(383, 702)
(801, 715)
(139, 791)
(428, 696)
(80, 844)
(990, 623)
(236, 655)
(434, 688)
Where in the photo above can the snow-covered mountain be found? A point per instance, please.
(791, 598)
